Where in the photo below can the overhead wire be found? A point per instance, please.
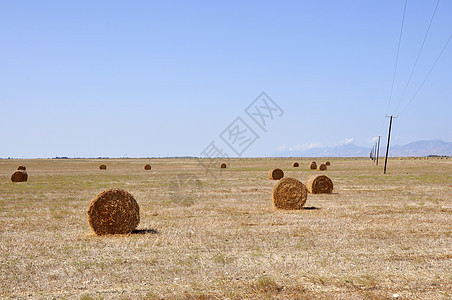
(417, 58)
(397, 57)
(429, 72)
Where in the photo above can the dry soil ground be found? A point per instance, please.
(211, 233)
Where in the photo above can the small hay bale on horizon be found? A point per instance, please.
(147, 167)
(327, 163)
(23, 168)
(319, 184)
(275, 174)
(102, 167)
(313, 165)
(322, 167)
(295, 165)
(114, 211)
(289, 193)
(19, 176)
(223, 166)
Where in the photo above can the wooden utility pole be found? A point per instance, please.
(389, 137)
(378, 149)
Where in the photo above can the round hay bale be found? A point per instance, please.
(23, 168)
(319, 184)
(289, 193)
(295, 165)
(313, 165)
(102, 167)
(19, 176)
(327, 163)
(223, 166)
(322, 167)
(147, 167)
(113, 211)
(275, 174)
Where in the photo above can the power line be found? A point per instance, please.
(418, 55)
(430, 71)
(397, 57)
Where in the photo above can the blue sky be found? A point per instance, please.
(165, 78)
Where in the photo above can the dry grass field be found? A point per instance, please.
(213, 233)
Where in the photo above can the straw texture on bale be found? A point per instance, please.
(102, 167)
(289, 193)
(23, 168)
(275, 174)
(147, 167)
(19, 176)
(322, 167)
(223, 166)
(327, 163)
(319, 184)
(313, 165)
(113, 211)
(295, 165)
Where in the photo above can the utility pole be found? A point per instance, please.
(378, 148)
(375, 152)
(389, 137)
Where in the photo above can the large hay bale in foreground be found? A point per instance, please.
(295, 165)
(313, 165)
(223, 166)
(327, 163)
(275, 174)
(102, 167)
(322, 167)
(23, 168)
(289, 193)
(113, 211)
(319, 184)
(19, 176)
(147, 167)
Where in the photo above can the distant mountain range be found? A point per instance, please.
(418, 148)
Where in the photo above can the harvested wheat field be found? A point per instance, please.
(207, 233)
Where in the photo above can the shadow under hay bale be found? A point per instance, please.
(313, 165)
(145, 231)
(289, 193)
(327, 163)
(102, 167)
(147, 167)
(322, 167)
(23, 168)
(223, 166)
(19, 176)
(113, 211)
(275, 174)
(319, 184)
(295, 165)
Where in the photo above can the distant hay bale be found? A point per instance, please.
(223, 166)
(147, 167)
(113, 211)
(102, 167)
(319, 184)
(289, 193)
(19, 176)
(275, 174)
(23, 168)
(327, 163)
(295, 165)
(313, 165)
(322, 167)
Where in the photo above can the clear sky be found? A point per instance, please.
(166, 78)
